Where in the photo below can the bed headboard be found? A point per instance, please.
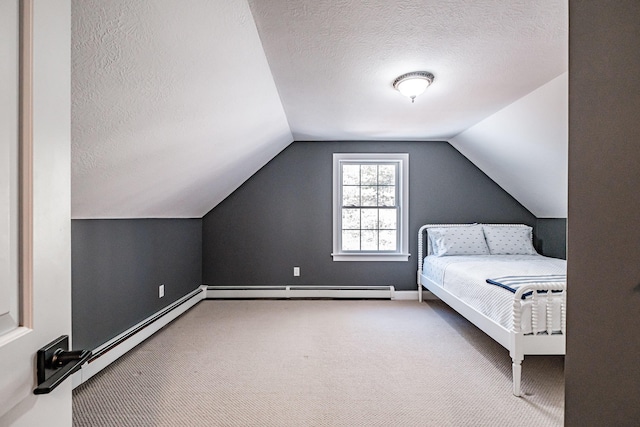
(425, 249)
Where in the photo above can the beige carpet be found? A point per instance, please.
(320, 363)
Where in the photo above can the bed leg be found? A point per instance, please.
(517, 371)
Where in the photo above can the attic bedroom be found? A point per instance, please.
(200, 175)
(244, 151)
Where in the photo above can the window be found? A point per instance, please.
(370, 207)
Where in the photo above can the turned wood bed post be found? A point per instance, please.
(516, 369)
(421, 256)
(516, 346)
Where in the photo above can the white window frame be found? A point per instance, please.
(402, 159)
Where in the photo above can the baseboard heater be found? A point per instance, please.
(291, 291)
(110, 351)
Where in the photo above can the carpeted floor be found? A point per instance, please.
(320, 363)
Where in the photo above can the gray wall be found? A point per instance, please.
(282, 216)
(117, 266)
(551, 237)
(603, 342)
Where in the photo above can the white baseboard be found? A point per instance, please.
(295, 291)
(248, 292)
(110, 351)
(405, 295)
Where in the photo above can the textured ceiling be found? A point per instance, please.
(334, 61)
(175, 104)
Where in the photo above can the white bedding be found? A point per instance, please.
(465, 277)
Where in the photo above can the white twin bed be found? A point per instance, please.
(492, 275)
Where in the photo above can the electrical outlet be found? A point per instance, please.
(296, 271)
(160, 291)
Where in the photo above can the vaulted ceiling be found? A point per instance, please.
(175, 104)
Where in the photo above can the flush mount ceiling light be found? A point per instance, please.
(413, 84)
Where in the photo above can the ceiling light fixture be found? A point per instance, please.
(413, 84)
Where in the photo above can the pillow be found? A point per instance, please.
(467, 240)
(509, 240)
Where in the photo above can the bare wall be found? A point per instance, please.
(117, 266)
(551, 237)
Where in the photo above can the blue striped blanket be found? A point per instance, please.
(513, 283)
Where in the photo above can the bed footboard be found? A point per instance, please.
(558, 292)
(552, 343)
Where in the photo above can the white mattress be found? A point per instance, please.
(464, 276)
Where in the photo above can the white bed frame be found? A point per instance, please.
(518, 343)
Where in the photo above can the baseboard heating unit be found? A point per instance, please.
(118, 346)
(110, 351)
(291, 291)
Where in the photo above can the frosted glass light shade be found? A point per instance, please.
(413, 84)
(413, 87)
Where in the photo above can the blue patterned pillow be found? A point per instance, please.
(509, 240)
(467, 240)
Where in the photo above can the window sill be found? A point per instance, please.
(371, 257)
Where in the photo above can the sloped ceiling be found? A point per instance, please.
(175, 104)
(524, 147)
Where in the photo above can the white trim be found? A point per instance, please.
(99, 363)
(300, 291)
(371, 257)
(405, 296)
(248, 292)
(402, 159)
(14, 334)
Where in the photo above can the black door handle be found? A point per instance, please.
(56, 363)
